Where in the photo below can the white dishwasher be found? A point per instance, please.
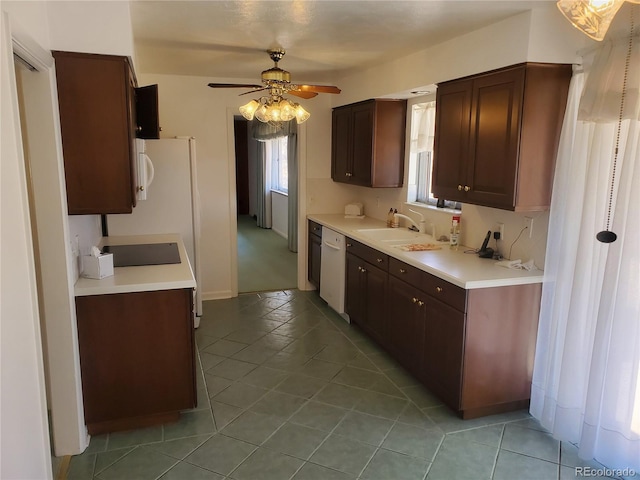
(332, 270)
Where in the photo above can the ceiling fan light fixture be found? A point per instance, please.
(591, 17)
(274, 110)
(262, 113)
(248, 111)
(301, 114)
(287, 110)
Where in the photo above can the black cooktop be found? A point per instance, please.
(143, 254)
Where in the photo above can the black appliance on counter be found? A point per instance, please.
(143, 254)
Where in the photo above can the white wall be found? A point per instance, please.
(91, 27)
(280, 213)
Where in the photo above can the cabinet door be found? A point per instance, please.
(354, 292)
(363, 118)
(366, 296)
(406, 324)
(95, 102)
(315, 257)
(451, 143)
(494, 137)
(375, 287)
(443, 349)
(147, 118)
(341, 161)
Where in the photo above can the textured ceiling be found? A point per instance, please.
(227, 39)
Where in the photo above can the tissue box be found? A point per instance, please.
(97, 267)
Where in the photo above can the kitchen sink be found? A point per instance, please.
(396, 236)
(399, 237)
(391, 234)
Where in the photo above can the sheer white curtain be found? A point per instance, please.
(586, 387)
(263, 184)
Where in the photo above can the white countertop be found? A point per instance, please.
(462, 269)
(141, 278)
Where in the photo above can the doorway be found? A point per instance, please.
(265, 262)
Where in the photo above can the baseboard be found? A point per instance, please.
(279, 232)
(219, 295)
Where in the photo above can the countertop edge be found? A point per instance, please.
(336, 222)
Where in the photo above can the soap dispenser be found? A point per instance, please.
(390, 218)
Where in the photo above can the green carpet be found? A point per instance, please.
(264, 260)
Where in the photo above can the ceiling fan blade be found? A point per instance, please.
(301, 94)
(319, 88)
(253, 91)
(233, 85)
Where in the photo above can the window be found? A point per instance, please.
(421, 155)
(277, 157)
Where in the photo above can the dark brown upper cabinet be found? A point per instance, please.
(99, 112)
(497, 134)
(367, 143)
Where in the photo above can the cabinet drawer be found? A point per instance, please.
(368, 254)
(406, 273)
(315, 229)
(444, 291)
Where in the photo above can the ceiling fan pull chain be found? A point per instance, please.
(607, 236)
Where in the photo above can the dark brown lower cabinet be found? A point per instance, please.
(137, 358)
(406, 324)
(366, 292)
(472, 348)
(314, 255)
(499, 347)
(442, 352)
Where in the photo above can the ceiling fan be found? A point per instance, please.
(278, 82)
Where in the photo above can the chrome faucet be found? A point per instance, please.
(421, 226)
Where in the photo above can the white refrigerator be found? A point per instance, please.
(172, 201)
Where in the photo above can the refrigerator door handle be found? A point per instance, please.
(150, 170)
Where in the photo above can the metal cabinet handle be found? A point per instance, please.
(467, 188)
(402, 270)
(364, 270)
(138, 128)
(379, 260)
(439, 289)
(414, 300)
(460, 187)
(349, 245)
(348, 174)
(420, 303)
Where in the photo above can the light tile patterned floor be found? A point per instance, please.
(288, 390)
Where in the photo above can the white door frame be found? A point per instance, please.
(54, 258)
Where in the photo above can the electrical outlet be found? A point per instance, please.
(500, 228)
(75, 246)
(528, 222)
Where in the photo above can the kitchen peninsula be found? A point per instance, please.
(136, 341)
(463, 326)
